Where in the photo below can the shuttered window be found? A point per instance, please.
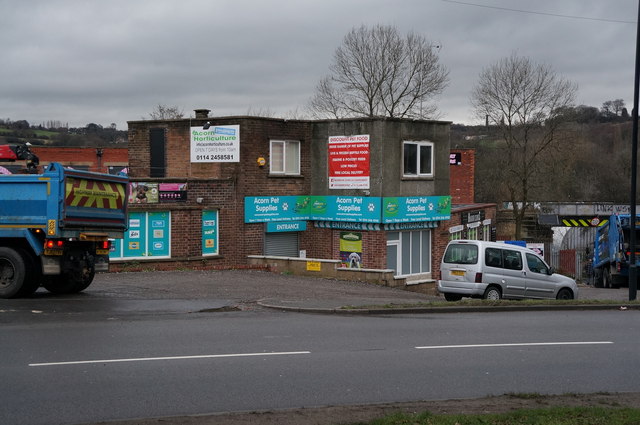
(283, 244)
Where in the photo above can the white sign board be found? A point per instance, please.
(218, 143)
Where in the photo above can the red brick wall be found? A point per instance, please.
(462, 177)
(325, 244)
(222, 186)
(83, 157)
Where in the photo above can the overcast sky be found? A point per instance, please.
(103, 62)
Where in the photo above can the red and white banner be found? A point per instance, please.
(349, 162)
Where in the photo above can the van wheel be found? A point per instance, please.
(452, 297)
(564, 294)
(492, 293)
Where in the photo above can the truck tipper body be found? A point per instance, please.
(55, 228)
(611, 251)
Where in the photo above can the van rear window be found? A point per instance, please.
(461, 254)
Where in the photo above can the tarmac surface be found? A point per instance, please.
(230, 290)
(251, 289)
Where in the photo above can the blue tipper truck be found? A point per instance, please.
(55, 228)
(611, 251)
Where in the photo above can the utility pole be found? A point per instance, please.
(633, 272)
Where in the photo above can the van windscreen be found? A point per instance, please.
(461, 254)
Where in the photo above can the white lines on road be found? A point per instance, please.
(149, 359)
(519, 344)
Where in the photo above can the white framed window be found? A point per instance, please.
(285, 157)
(473, 231)
(417, 159)
(486, 232)
(455, 233)
(409, 253)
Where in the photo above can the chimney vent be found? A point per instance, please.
(202, 113)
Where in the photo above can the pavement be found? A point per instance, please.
(251, 289)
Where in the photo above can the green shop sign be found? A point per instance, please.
(356, 209)
(416, 208)
(362, 209)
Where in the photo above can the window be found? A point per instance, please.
(285, 157)
(409, 252)
(418, 159)
(157, 151)
(456, 233)
(493, 257)
(486, 232)
(503, 258)
(512, 260)
(461, 254)
(536, 265)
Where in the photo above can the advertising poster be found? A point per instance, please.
(218, 143)
(351, 250)
(349, 162)
(143, 193)
(135, 236)
(172, 192)
(538, 248)
(158, 234)
(149, 235)
(209, 232)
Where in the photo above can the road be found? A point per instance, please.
(109, 358)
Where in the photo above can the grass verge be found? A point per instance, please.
(550, 416)
(489, 303)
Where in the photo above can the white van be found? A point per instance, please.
(493, 270)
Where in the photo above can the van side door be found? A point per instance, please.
(540, 284)
(504, 267)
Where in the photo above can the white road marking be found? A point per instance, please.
(520, 344)
(148, 359)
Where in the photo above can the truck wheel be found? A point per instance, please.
(83, 280)
(58, 284)
(606, 278)
(33, 275)
(12, 272)
(72, 282)
(597, 279)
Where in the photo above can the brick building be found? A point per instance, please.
(469, 220)
(363, 194)
(102, 160)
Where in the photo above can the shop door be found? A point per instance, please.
(283, 244)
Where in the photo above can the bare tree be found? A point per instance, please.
(612, 108)
(164, 112)
(523, 100)
(377, 72)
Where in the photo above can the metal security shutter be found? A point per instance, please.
(283, 244)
